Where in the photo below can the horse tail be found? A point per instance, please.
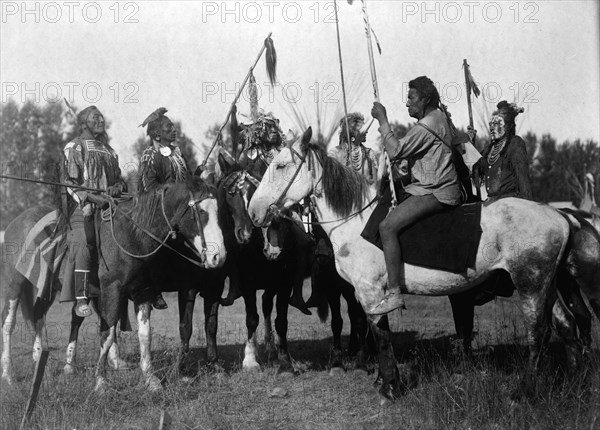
(579, 268)
(322, 308)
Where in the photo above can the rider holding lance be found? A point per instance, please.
(434, 181)
(90, 162)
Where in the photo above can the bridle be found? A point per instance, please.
(276, 208)
(172, 233)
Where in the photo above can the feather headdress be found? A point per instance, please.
(154, 115)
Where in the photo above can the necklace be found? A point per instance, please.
(356, 158)
(268, 155)
(494, 154)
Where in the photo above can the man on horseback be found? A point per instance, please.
(355, 153)
(434, 182)
(161, 163)
(262, 140)
(89, 162)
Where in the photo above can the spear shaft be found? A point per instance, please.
(337, 29)
(59, 184)
(239, 93)
(376, 94)
(468, 83)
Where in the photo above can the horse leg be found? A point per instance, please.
(267, 309)
(537, 308)
(107, 338)
(281, 328)
(145, 338)
(463, 312)
(71, 354)
(8, 326)
(250, 351)
(186, 301)
(211, 324)
(571, 294)
(564, 323)
(391, 386)
(358, 320)
(337, 323)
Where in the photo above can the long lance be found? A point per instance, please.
(58, 184)
(468, 84)
(376, 94)
(339, 45)
(270, 57)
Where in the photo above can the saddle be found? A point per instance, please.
(445, 241)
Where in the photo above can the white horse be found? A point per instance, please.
(524, 238)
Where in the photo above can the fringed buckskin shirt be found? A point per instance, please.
(91, 163)
(157, 169)
(429, 159)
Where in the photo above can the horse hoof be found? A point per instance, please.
(336, 371)
(251, 367)
(69, 370)
(153, 384)
(120, 365)
(360, 371)
(278, 392)
(387, 393)
(7, 379)
(101, 387)
(286, 372)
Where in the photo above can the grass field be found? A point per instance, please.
(446, 392)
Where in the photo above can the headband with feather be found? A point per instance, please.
(153, 116)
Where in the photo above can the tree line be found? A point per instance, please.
(32, 138)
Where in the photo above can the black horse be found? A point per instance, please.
(269, 262)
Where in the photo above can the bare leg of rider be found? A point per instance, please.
(406, 213)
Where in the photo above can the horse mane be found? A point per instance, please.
(345, 190)
(146, 205)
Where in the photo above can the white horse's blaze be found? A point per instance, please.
(215, 245)
(270, 251)
(7, 329)
(250, 352)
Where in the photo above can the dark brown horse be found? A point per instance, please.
(137, 227)
(267, 262)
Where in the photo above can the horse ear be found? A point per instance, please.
(306, 139)
(224, 164)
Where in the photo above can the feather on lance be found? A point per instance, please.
(271, 58)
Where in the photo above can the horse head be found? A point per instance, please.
(192, 211)
(288, 180)
(235, 189)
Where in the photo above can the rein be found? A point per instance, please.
(275, 209)
(108, 215)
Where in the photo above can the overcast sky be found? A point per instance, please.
(129, 58)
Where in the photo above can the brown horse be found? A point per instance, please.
(187, 210)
